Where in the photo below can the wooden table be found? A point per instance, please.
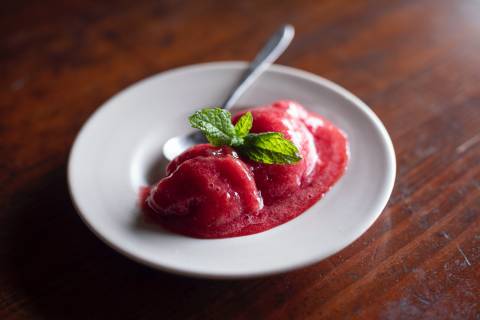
(416, 63)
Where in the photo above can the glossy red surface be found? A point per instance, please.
(211, 192)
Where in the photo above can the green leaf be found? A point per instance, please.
(270, 148)
(244, 124)
(216, 125)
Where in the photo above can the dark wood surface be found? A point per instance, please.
(416, 63)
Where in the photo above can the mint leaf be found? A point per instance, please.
(244, 124)
(267, 147)
(216, 125)
(270, 148)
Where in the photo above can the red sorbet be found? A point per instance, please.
(210, 192)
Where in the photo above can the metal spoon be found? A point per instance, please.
(275, 46)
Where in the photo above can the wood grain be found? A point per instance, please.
(416, 63)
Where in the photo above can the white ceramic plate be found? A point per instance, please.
(117, 152)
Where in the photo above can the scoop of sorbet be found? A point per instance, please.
(210, 192)
(209, 187)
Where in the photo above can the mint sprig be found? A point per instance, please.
(270, 148)
(266, 147)
(216, 125)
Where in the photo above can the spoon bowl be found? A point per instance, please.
(178, 144)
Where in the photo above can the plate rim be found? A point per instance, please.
(277, 68)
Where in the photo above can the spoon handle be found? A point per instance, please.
(275, 46)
